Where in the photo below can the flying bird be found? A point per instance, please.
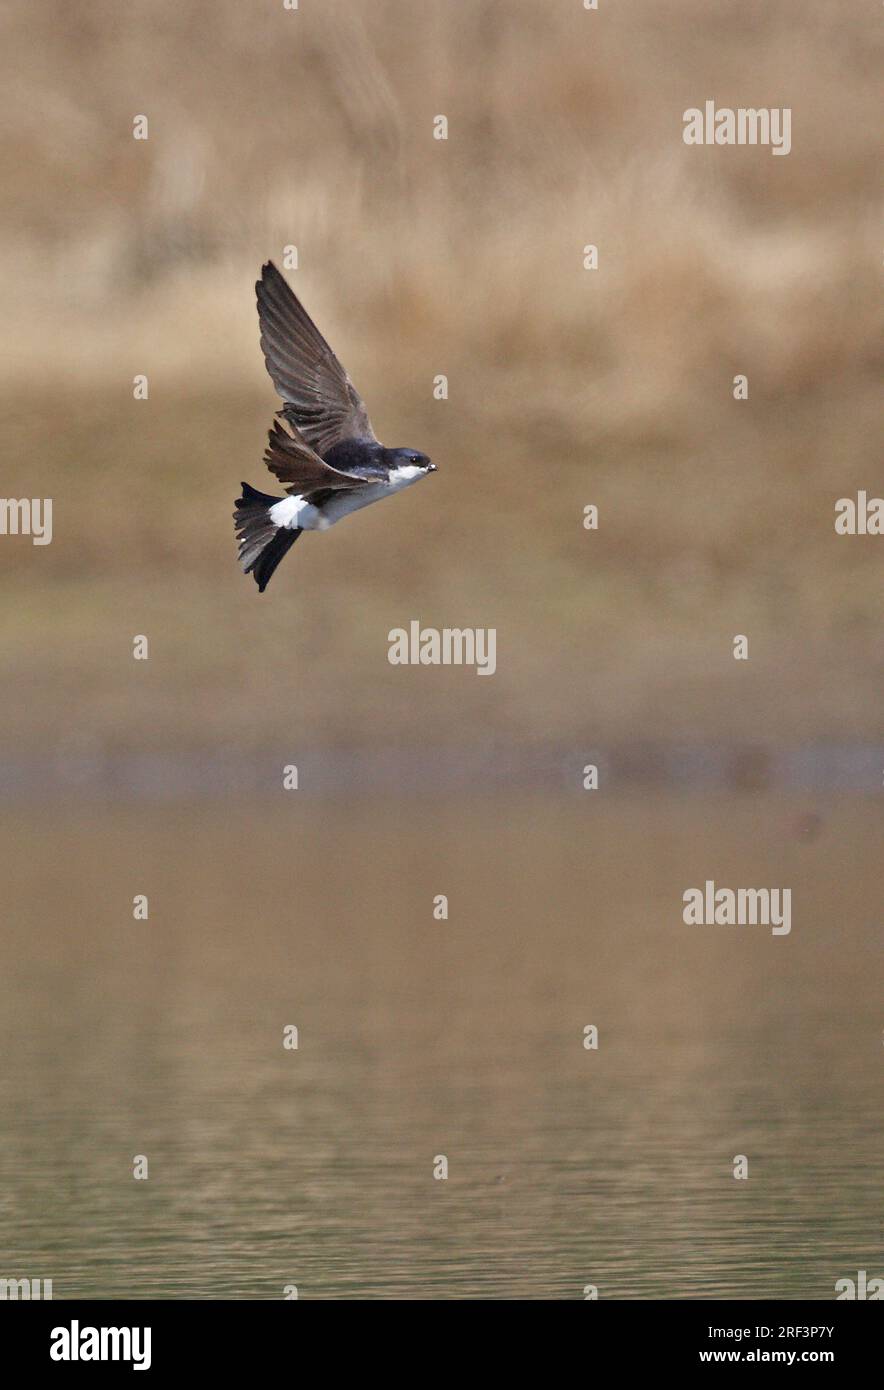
(321, 447)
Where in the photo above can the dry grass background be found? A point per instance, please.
(314, 127)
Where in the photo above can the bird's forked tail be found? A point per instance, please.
(261, 544)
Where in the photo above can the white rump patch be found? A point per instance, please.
(294, 512)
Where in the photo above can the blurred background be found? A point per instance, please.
(417, 257)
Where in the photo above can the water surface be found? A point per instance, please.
(419, 1037)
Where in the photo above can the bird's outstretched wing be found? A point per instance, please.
(320, 399)
(299, 467)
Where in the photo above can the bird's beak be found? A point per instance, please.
(431, 468)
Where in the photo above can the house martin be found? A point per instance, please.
(321, 446)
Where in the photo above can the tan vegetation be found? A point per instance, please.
(418, 257)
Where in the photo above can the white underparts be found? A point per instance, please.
(295, 513)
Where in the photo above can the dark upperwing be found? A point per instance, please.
(299, 467)
(320, 399)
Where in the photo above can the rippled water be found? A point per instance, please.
(417, 1037)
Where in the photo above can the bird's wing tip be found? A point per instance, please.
(268, 270)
